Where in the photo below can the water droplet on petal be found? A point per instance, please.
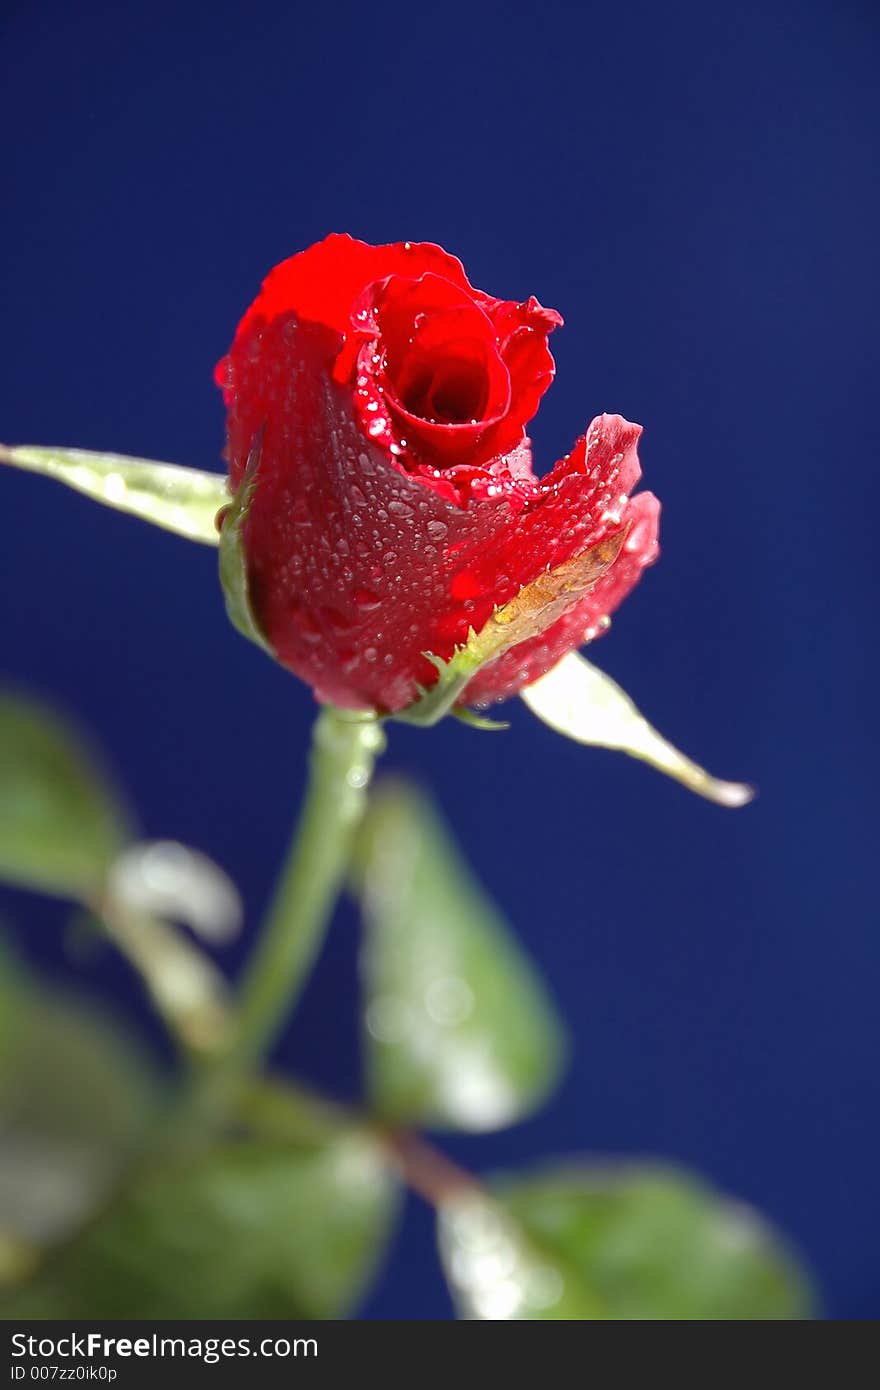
(366, 600)
(398, 508)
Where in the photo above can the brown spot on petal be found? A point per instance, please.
(541, 603)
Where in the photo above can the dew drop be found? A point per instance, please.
(366, 600)
(115, 488)
(337, 622)
(398, 508)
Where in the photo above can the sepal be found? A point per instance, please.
(233, 561)
(183, 500)
(581, 702)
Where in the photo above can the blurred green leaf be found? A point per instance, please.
(286, 1112)
(182, 500)
(578, 700)
(15, 991)
(640, 1242)
(61, 823)
(459, 1031)
(252, 1230)
(76, 1097)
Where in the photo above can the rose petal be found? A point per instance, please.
(522, 331)
(585, 622)
(351, 562)
(430, 359)
(322, 283)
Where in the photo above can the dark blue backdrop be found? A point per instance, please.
(692, 186)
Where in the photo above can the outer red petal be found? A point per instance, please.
(350, 561)
(586, 621)
(321, 283)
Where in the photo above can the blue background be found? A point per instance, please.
(692, 186)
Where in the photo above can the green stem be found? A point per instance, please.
(344, 751)
(345, 747)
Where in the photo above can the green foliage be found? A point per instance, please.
(182, 500)
(634, 1243)
(61, 822)
(247, 1230)
(578, 700)
(112, 1206)
(459, 1031)
(76, 1097)
(233, 562)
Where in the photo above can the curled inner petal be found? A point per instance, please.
(449, 387)
(441, 355)
(432, 356)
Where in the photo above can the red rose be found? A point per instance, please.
(394, 505)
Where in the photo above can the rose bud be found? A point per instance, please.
(387, 505)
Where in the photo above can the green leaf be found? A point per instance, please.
(284, 1111)
(535, 608)
(61, 823)
(459, 1031)
(233, 563)
(76, 1096)
(581, 702)
(639, 1242)
(251, 1230)
(182, 500)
